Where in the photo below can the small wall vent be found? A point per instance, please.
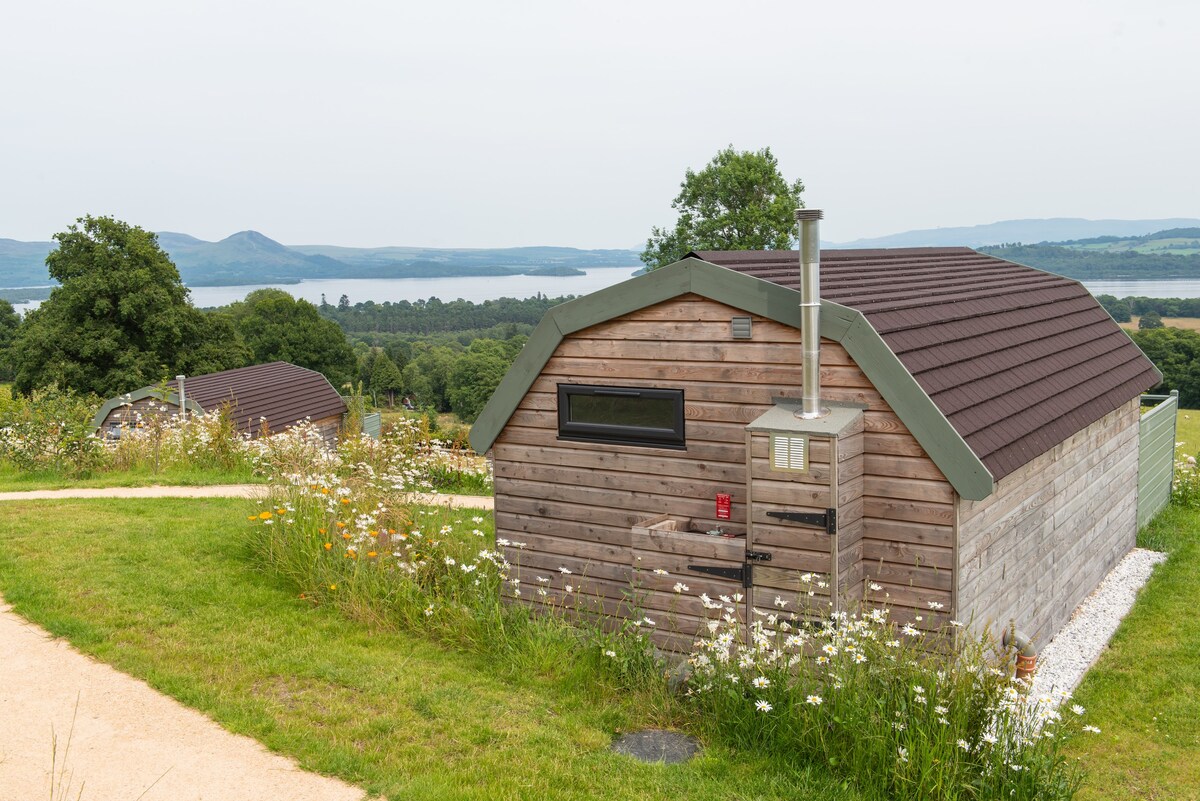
(789, 453)
(741, 327)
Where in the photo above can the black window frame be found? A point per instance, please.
(640, 436)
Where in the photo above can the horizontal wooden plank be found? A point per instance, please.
(617, 482)
(547, 435)
(893, 444)
(912, 511)
(684, 543)
(907, 553)
(675, 467)
(905, 531)
(647, 504)
(573, 369)
(878, 464)
(913, 489)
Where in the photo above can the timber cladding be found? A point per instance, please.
(1053, 529)
(574, 503)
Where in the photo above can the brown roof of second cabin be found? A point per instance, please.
(1016, 359)
(280, 392)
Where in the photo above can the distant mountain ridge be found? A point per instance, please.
(249, 257)
(1054, 229)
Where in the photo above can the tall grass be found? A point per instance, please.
(897, 713)
(925, 716)
(49, 436)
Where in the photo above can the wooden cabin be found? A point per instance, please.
(261, 398)
(979, 460)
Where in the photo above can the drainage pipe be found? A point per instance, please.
(810, 310)
(1026, 651)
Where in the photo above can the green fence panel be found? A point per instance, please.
(1156, 454)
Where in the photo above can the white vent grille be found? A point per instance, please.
(789, 453)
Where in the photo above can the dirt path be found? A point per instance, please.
(217, 491)
(127, 740)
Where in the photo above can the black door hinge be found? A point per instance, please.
(827, 521)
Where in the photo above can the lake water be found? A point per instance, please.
(472, 288)
(480, 288)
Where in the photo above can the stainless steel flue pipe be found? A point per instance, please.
(810, 309)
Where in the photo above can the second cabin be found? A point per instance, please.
(976, 455)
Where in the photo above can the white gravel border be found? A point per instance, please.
(1065, 659)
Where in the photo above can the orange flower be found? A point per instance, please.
(346, 535)
(340, 524)
(371, 554)
(321, 530)
(252, 517)
(328, 545)
(333, 586)
(281, 511)
(324, 490)
(373, 533)
(264, 515)
(346, 501)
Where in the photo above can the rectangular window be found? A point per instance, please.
(622, 415)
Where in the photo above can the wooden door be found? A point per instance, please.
(792, 531)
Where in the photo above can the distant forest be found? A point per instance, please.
(1089, 264)
(1173, 253)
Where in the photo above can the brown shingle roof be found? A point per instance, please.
(278, 391)
(1016, 359)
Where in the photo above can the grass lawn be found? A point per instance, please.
(12, 479)
(1187, 431)
(167, 590)
(1144, 694)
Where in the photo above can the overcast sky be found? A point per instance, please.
(502, 123)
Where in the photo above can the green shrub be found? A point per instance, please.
(51, 430)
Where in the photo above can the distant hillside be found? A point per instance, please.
(1174, 253)
(1175, 241)
(249, 257)
(520, 259)
(23, 263)
(1056, 229)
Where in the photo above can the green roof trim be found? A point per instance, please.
(137, 395)
(964, 470)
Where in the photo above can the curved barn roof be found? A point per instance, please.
(279, 393)
(1017, 359)
(988, 363)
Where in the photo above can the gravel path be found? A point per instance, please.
(1065, 659)
(126, 740)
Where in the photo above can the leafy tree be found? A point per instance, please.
(475, 376)
(738, 202)
(426, 374)
(1118, 309)
(9, 322)
(277, 327)
(1150, 320)
(1176, 353)
(385, 377)
(120, 320)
